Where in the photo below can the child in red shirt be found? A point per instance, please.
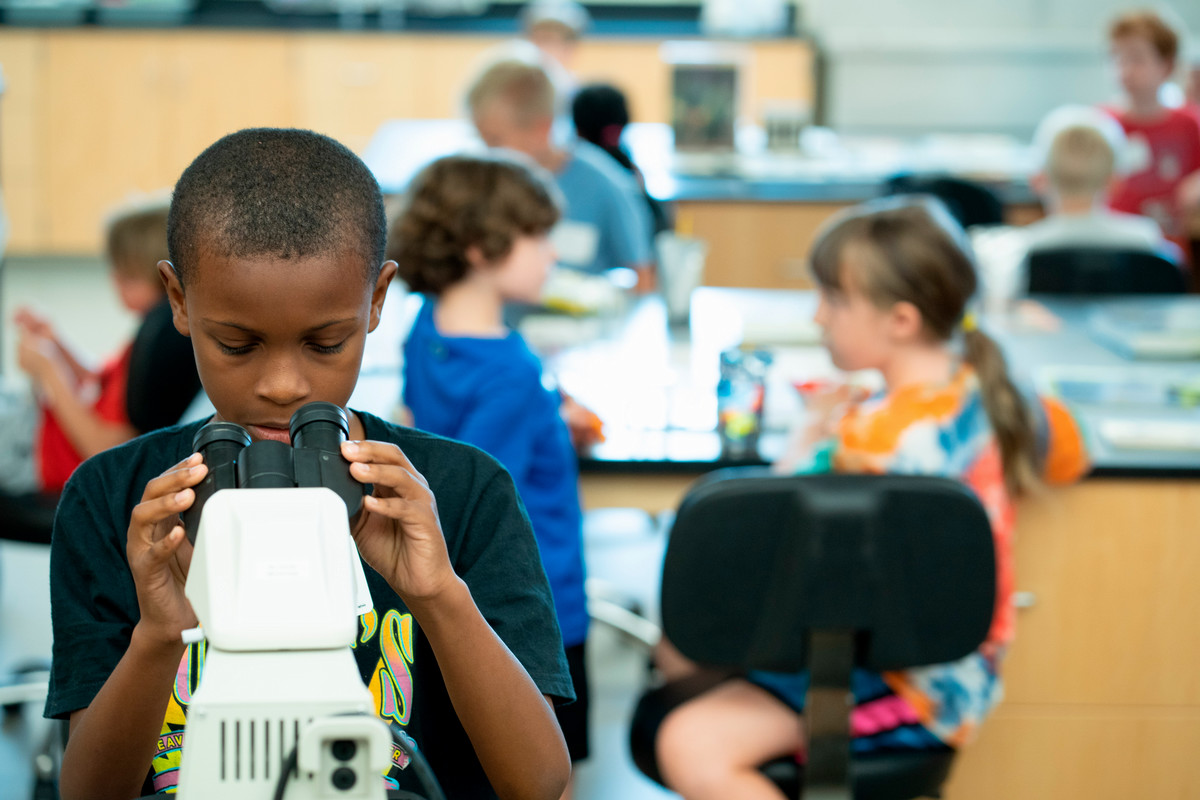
(1163, 178)
(82, 410)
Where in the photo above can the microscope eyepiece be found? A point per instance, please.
(319, 425)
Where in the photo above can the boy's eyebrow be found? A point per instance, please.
(313, 329)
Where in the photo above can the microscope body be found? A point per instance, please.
(277, 584)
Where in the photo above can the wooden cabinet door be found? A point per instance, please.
(126, 111)
(221, 82)
(103, 129)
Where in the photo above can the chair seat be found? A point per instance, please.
(877, 776)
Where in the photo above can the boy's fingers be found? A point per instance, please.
(186, 473)
(397, 478)
(165, 547)
(375, 454)
(393, 507)
(147, 514)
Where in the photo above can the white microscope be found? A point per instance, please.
(281, 711)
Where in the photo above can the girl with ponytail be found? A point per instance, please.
(895, 279)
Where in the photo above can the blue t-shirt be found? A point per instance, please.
(488, 392)
(605, 198)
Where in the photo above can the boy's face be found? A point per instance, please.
(499, 127)
(1140, 69)
(521, 274)
(137, 294)
(271, 334)
(555, 41)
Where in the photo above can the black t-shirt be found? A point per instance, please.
(162, 380)
(491, 547)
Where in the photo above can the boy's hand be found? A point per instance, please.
(585, 427)
(159, 553)
(398, 532)
(29, 321)
(35, 356)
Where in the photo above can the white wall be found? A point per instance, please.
(968, 65)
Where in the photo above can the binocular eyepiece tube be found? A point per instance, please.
(313, 459)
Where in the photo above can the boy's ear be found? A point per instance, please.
(475, 258)
(906, 322)
(379, 293)
(170, 279)
(544, 125)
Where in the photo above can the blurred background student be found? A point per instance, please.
(1078, 149)
(600, 113)
(894, 281)
(555, 27)
(605, 223)
(475, 236)
(1163, 181)
(79, 409)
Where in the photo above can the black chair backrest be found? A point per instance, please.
(756, 562)
(1100, 270)
(969, 202)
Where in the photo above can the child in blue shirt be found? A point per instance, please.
(473, 237)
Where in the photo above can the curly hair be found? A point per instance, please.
(461, 202)
(279, 192)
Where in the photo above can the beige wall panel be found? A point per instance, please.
(443, 68)
(1113, 566)
(761, 245)
(22, 54)
(221, 82)
(636, 68)
(777, 71)
(348, 84)
(105, 135)
(1104, 753)
(127, 111)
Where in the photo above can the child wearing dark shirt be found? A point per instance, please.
(277, 275)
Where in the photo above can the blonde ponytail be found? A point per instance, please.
(1010, 418)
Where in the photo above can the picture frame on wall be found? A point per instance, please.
(704, 96)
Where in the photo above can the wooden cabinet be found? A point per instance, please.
(1102, 694)
(758, 245)
(765, 245)
(125, 112)
(92, 116)
(103, 116)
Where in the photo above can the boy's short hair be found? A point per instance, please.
(1080, 148)
(136, 238)
(1149, 26)
(460, 202)
(278, 192)
(1080, 161)
(524, 85)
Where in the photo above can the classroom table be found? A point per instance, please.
(1102, 691)
(1102, 694)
